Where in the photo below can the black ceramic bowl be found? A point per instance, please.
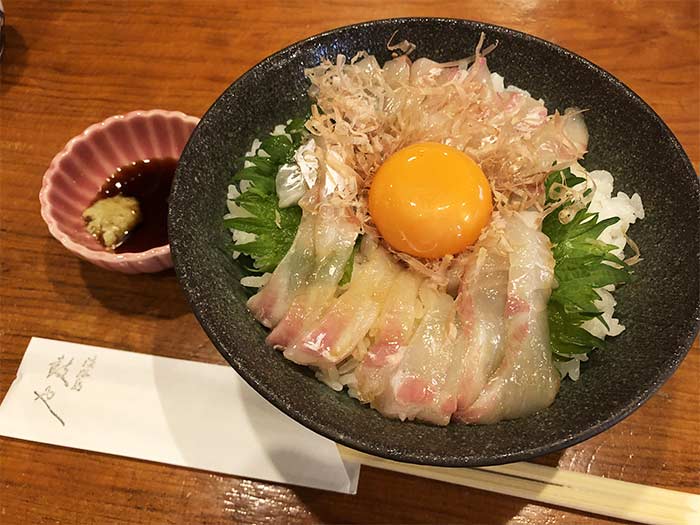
(660, 309)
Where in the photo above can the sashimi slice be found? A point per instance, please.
(526, 381)
(392, 332)
(424, 385)
(272, 302)
(480, 306)
(350, 317)
(334, 237)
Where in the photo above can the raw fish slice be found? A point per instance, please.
(526, 380)
(317, 257)
(350, 317)
(397, 72)
(272, 302)
(480, 306)
(426, 72)
(424, 385)
(334, 238)
(391, 332)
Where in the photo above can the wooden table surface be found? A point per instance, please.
(70, 63)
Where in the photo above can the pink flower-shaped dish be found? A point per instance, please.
(77, 173)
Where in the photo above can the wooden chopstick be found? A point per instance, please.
(590, 482)
(618, 499)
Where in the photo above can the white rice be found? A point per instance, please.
(235, 211)
(256, 281)
(629, 210)
(281, 129)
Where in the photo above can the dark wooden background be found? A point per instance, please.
(70, 63)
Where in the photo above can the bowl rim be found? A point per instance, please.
(47, 182)
(412, 456)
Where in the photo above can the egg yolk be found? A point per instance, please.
(430, 200)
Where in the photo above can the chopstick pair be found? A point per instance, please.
(594, 494)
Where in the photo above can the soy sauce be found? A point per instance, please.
(149, 182)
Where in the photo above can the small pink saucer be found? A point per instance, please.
(77, 173)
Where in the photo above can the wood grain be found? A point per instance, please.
(68, 64)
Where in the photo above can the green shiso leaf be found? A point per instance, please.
(583, 263)
(274, 227)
